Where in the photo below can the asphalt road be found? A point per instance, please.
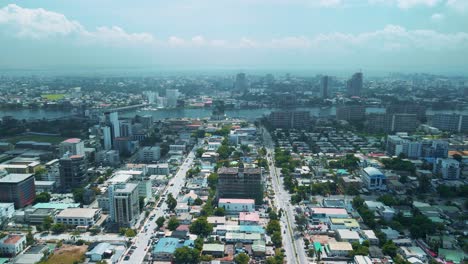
(142, 240)
(292, 244)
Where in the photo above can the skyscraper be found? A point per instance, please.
(106, 131)
(354, 85)
(241, 183)
(172, 95)
(73, 171)
(324, 87)
(241, 82)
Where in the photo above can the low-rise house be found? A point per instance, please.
(98, 252)
(165, 248)
(247, 238)
(215, 250)
(344, 223)
(416, 252)
(216, 220)
(249, 218)
(370, 236)
(338, 249)
(346, 235)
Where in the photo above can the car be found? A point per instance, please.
(127, 257)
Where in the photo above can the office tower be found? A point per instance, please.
(149, 154)
(112, 120)
(324, 87)
(351, 113)
(126, 128)
(448, 169)
(106, 131)
(172, 95)
(18, 189)
(73, 146)
(354, 85)
(73, 171)
(241, 83)
(290, 119)
(240, 183)
(124, 207)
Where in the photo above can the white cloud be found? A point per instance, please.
(437, 17)
(407, 4)
(458, 5)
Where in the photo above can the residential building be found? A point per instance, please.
(53, 172)
(449, 169)
(78, 216)
(12, 245)
(18, 189)
(107, 158)
(403, 123)
(165, 248)
(290, 119)
(73, 171)
(450, 122)
(158, 169)
(351, 113)
(149, 154)
(172, 95)
(243, 183)
(373, 179)
(338, 249)
(124, 205)
(107, 136)
(125, 145)
(72, 146)
(6, 211)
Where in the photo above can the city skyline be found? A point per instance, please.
(384, 36)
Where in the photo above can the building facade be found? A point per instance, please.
(124, 205)
(244, 183)
(18, 189)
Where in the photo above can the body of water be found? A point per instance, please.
(29, 114)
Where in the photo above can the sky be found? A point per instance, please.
(323, 35)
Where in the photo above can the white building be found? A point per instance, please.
(158, 169)
(172, 95)
(12, 245)
(346, 235)
(6, 211)
(124, 207)
(78, 216)
(235, 206)
(107, 158)
(338, 249)
(448, 168)
(373, 179)
(74, 146)
(149, 154)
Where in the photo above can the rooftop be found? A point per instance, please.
(342, 246)
(58, 206)
(213, 247)
(248, 216)
(237, 201)
(329, 211)
(15, 178)
(371, 171)
(72, 140)
(78, 212)
(166, 245)
(12, 239)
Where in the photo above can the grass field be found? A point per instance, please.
(67, 255)
(53, 97)
(49, 139)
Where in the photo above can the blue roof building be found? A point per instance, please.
(373, 179)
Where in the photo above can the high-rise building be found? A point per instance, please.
(107, 134)
(240, 183)
(407, 108)
(449, 169)
(351, 113)
(290, 119)
(73, 146)
(73, 171)
(450, 122)
(107, 158)
(18, 189)
(324, 92)
(241, 82)
(126, 128)
(124, 207)
(354, 85)
(218, 110)
(172, 95)
(404, 123)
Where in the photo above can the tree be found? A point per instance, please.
(198, 201)
(46, 224)
(78, 195)
(389, 248)
(277, 239)
(199, 243)
(186, 255)
(213, 180)
(171, 202)
(160, 221)
(95, 230)
(130, 232)
(29, 238)
(242, 258)
(387, 199)
(173, 223)
(141, 202)
(201, 227)
(199, 152)
(58, 228)
(43, 197)
(219, 211)
(273, 226)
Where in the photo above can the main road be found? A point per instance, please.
(292, 243)
(142, 240)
